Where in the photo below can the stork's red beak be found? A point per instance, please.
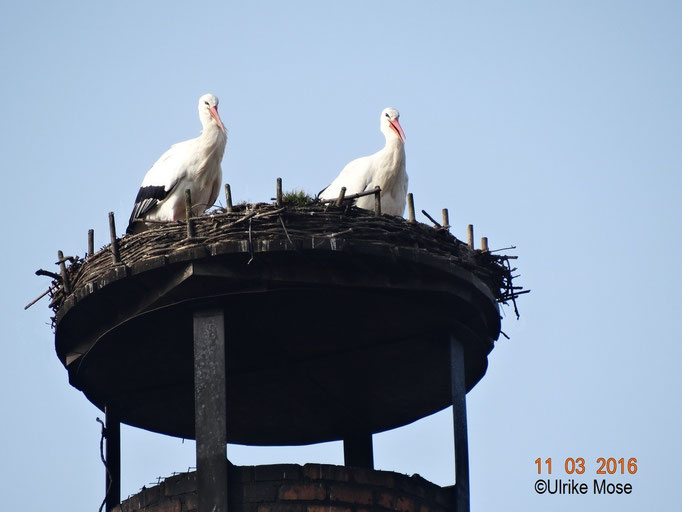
(397, 129)
(214, 114)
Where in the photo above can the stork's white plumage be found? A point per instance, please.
(385, 168)
(193, 164)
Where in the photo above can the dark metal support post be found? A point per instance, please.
(210, 409)
(112, 433)
(459, 417)
(358, 450)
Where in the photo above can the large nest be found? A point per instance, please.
(289, 224)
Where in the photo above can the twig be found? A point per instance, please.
(431, 219)
(41, 272)
(37, 298)
(250, 244)
(348, 198)
(286, 232)
(339, 201)
(513, 297)
(504, 249)
(332, 235)
(251, 214)
(64, 259)
(152, 221)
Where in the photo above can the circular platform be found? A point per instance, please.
(325, 335)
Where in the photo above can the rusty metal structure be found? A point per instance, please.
(275, 324)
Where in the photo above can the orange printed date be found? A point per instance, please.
(603, 466)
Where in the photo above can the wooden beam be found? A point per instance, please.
(91, 242)
(410, 208)
(114, 241)
(470, 235)
(62, 271)
(279, 196)
(228, 198)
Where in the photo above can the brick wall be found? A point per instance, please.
(294, 488)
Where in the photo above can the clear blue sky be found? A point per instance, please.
(553, 126)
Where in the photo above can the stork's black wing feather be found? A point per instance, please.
(147, 198)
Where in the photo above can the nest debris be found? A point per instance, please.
(263, 221)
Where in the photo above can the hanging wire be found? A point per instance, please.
(104, 461)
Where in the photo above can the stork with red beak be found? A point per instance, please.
(193, 164)
(385, 168)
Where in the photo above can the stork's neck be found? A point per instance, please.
(394, 144)
(392, 155)
(212, 137)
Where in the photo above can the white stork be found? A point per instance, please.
(193, 164)
(385, 168)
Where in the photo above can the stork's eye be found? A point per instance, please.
(388, 115)
(206, 103)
